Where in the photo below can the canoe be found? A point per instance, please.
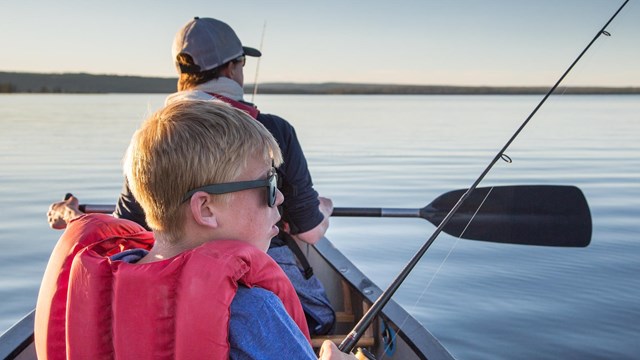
(394, 334)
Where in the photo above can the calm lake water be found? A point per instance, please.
(482, 300)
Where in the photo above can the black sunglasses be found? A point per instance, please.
(242, 59)
(271, 183)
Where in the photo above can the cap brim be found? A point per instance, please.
(251, 51)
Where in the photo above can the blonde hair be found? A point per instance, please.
(189, 144)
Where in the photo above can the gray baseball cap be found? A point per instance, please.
(210, 43)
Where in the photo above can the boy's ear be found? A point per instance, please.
(203, 210)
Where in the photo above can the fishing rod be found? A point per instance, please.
(350, 341)
(255, 79)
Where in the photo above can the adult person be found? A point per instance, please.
(200, 285)
(209, 58)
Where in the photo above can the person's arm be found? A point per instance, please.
(261, 328)
(314, 235)
(62, 212)
(306, 213)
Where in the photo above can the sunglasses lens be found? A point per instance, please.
(242, 59)
(272, 190)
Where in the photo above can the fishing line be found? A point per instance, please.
(453, 247)
(350, 341)
(255, 79)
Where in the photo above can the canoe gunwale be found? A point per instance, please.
(18, 337)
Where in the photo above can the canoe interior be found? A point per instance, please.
(349, 290)
(352, 293)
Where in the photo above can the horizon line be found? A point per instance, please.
(330, 81)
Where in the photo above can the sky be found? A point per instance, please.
(421, 42)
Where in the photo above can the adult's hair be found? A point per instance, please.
(189, 80)
(189, 144)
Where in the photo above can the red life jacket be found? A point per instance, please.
(91, 307)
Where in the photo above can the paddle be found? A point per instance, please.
(548, 215)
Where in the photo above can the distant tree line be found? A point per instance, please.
(11, 88)
(83, 83)
(13, 82)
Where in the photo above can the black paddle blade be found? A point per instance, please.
(546, 215)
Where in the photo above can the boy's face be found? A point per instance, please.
(246, 216)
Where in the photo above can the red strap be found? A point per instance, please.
(251, 110)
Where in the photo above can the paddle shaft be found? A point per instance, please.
(350, 341)
(339, 211)
(376, 212)
(549, 215)
(97, 208)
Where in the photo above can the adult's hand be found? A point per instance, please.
(326, 206)
(61, 212)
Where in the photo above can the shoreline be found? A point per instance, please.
(82, 83)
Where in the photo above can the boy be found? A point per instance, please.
(201, 285)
